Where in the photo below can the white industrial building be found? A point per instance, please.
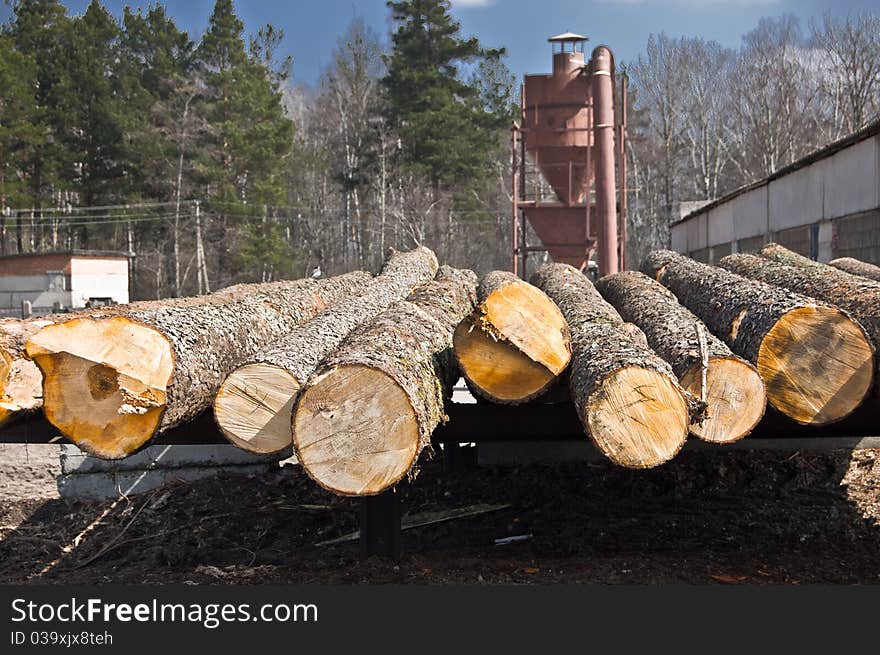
(61, 281)
(825, 205)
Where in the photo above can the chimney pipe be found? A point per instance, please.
(603, 132)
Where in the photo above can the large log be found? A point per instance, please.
(857, 267)
(858, 296)
(816, 361)
(366, 414)
(731, 387)
(515, 344)
(21, 383)
(782, 255)
(253, 406)
(627, 398)
(112, 382)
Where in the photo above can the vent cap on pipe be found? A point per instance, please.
(575, 41)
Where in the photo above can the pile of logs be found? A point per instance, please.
(354, 372)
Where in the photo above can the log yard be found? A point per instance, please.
(338, 335)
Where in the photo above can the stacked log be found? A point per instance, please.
(20, 380)
(628, 399)
(21, 383)
(254, 404)
(731, 387)
(816, 361)
(515, 344)
(366, 414)
(858, 296)
(782, 255)
(857, 267)
(112, 382)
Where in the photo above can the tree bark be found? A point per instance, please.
(627, 398)
(704, 365)
(253, 406)
(112, 382)
(857, 267)
(21, 382)
(788, 336)
(366, 414)
(515, 344)
(858, 296)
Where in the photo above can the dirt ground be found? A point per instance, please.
(724, 518)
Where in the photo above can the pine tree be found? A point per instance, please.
(244, 104)
(251, 134)
(37, 28)
(91, 111)
(19, 134)
(446, 130)
(155, 78)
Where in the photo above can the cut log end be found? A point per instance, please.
(638, 417)
(817, 365)
(254, 406)
(735, 396)
(125, 368)
(497, 369)
(355, 431)
(523, 315)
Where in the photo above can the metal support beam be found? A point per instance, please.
(380, 525)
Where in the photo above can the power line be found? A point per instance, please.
(71, 208)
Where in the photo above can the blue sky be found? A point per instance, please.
(313, 26)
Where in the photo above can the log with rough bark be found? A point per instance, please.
(21, 383)
(858, 296)
(857, 267)
(112, 382)
(515, 344)
(253, 406)
(781, 255)
(731, 387)
(627, 398)
(816, 361)
(368, 411)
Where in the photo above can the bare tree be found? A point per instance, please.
(851, 80)
(707, 72)
(660, 76)
(775, 99)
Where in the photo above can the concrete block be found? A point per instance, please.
(75, 461)
(85, 476)
(109, 485)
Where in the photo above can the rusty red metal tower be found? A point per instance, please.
(564, 148)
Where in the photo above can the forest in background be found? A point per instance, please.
(202, 156)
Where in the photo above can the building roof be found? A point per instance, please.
(568, 36)
(107, 254)
(868, 131)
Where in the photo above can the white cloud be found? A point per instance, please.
(472, 3)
